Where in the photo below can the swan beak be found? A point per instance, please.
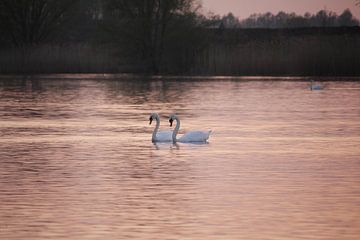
(171, 122)
(150, 119)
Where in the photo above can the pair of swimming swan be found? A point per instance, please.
(170, 136)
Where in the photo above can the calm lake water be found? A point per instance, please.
(77, 162)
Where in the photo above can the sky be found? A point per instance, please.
(244, 8)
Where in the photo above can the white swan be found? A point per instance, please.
(193, 136)
(163, 136)
(314, 87)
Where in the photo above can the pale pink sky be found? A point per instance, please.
(243, 8)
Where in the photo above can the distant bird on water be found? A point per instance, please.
(314, 87)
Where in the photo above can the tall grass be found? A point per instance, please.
(66, 58)
(244, 52)
(305, 55)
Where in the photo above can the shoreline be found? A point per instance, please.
(126, 76)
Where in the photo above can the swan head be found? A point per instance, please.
(152, 117)
(171, 119)
(171, 122)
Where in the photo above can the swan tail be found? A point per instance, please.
(207, 137)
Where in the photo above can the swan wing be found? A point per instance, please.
(164, 136)
(195, 136)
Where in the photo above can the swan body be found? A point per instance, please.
(316, 88)
(193, 136)
(159, 136)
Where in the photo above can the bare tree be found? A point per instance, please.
(30, 22)
(145, 23)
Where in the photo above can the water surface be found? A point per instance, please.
(77, 162)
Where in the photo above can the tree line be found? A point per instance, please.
(140, 30)
(155, 36)
(323, 18)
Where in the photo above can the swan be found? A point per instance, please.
(193, 136)
(314, 87)
(163, 136)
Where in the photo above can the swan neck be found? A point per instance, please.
(175, 132)
(156, 128)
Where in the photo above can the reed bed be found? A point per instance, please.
(307, 55)
(65, 58)
(262, 53)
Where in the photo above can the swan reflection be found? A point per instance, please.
(166, 145)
